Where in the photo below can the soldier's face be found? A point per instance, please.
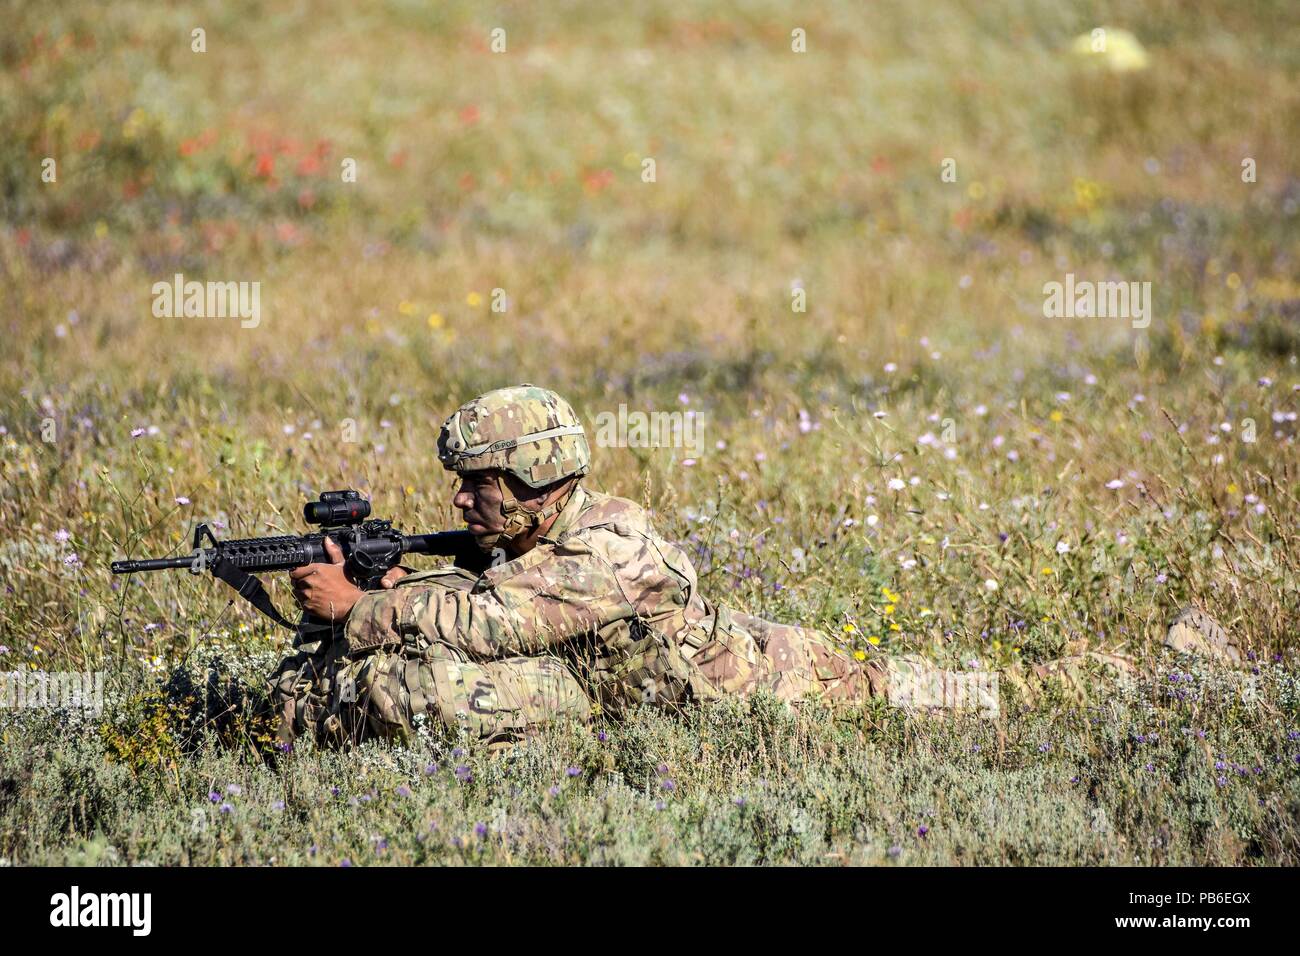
(479, 500)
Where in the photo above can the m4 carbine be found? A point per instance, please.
(371, 547)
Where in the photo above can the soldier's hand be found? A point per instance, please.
(323, 589)
(394, 575)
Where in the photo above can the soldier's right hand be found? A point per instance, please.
(393, 576)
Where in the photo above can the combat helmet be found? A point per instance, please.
(526, 431)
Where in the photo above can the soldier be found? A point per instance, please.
(586, 608)
(590, 609)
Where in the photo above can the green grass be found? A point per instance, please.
(522, 171)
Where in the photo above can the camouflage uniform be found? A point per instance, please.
(602, 611)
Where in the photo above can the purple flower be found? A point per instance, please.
(1222, 781)
(480, 829)
(226, 808)
(668, 785)
(334, 791)
(431, 769)
(554, 790)
(739, 801)
(381, 845)
(602, 736)
(894, 851)
(573, 771)
(1151, 766)
(1074, 779)
(234, 788)
(1043, 748)
(659, 804)
(463, 774)
(922, 830)
(1219, 765)
(403, 791)
(1140, 739)
(663, 769)
(345, 862)
(278, 805)
(214, 796)
(458, 752)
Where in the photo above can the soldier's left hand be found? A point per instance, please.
(323, 589)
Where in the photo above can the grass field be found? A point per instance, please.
(800, 273)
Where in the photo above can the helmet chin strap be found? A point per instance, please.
(520, 520)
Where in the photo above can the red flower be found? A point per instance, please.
(265, 165)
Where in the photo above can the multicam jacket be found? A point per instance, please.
(603, 591)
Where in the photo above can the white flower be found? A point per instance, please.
(1062, 547)
(990, 585)
(897, 484)
(182, 500)
(891, 367)
(873, 520)
(1114, 483)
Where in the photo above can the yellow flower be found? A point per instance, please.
(406, 308)
(926, 612)
(860, 655)
(1056, 416)
(1233, 281)
(850, 628)
(889, 610)
(101, 229)
(873, 639)
(434, 320)
(894, 627)
(410, 489)
(1232, 488)
(474, 300)
(1049, 571)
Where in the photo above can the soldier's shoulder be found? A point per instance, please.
(612, 513)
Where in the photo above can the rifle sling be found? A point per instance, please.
(249, 588)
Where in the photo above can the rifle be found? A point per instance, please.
(370, 548)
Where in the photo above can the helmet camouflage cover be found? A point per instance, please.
(527, 431)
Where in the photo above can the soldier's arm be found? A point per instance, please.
(528, 605)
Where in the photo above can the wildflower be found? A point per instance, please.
(894, 851)
(739, 801)
(137, 432)
(473, 300)
(922, 830)
(463, 774)
(480, 829)
(573, 771)
(226, 808)
(1150, 767)
(1044, 747)
(72, 560)
(860, 655)
(431, 769)
(458, 752)
(1062, 547)
(345, 862)
(214, 796)
(897, 484)
(62, 536)
(659, 804)
(182, 500)
(668, 785)
(234, 788)
(278, 805)
(602, 736)
(1114, 484)
(403, 791)
(990, 585)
